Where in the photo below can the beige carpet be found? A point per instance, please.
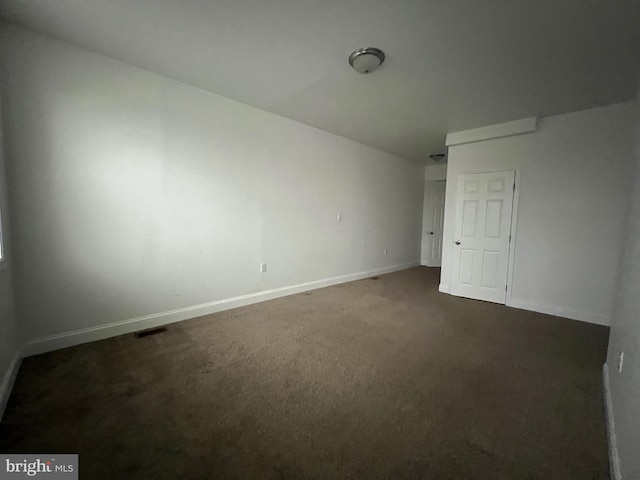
(375, 379)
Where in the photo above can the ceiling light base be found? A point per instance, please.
(366, 60)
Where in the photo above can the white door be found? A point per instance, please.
(432, 220)
(484, 202)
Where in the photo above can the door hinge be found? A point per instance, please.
(514, 187)
(506, 287)
(509, 237)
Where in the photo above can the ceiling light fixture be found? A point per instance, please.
(436, 157)
(366, 60)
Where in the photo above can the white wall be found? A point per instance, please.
(624, 387)
(435, 172)
(8, 320)
(573, 189)
(134, 194)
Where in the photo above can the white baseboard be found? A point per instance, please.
(425, 263)
(76, 337)
(8, 380)
(588, 317)
(614, 459)
(444, 288)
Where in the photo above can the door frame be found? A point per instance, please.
(514, 223)
(514, 238)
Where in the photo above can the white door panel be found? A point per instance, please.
(432, 223)
(482, 235)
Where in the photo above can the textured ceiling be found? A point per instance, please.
(451, 64)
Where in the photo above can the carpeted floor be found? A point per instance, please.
(375, 379)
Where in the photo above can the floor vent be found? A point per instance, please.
(150, 331)
(375, 278)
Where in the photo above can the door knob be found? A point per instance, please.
(457, 242)
(430, 233)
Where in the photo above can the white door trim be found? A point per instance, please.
(514, 238)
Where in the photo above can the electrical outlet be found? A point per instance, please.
(339, 218)
(386, 251)
(263, 267)
(620, 362)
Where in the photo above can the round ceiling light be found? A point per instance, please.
(366, 60)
